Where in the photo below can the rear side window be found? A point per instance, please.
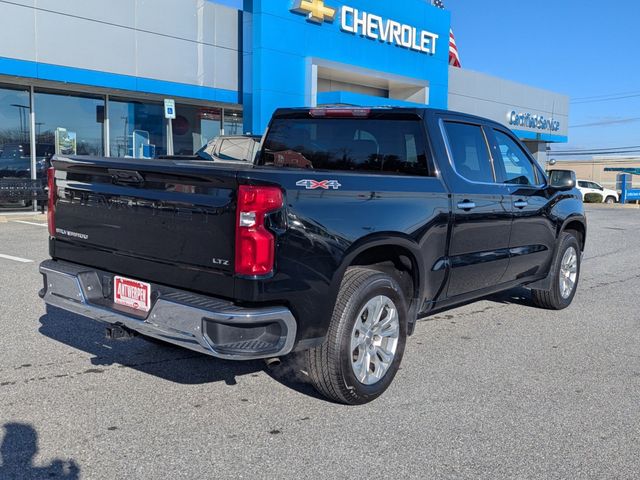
(373, 145)
(469, 151)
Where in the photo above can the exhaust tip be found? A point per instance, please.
(273, 362)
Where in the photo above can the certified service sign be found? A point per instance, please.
(538, 122)
(369, 25)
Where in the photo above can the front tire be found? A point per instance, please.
(565, 272)
(366, 339)
(610, 200)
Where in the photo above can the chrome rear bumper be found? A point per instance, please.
(205, 324)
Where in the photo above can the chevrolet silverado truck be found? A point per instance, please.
(377, 218)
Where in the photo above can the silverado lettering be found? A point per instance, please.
(139, 206)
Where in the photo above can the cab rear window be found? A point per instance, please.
(347, 144)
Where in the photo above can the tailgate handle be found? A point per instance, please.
(126, 177)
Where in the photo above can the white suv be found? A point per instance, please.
(608, 195)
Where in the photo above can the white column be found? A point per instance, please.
(32, 138)
(105, 126)
(313, 85)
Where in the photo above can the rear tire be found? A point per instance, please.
(366, 339)
(565, 272)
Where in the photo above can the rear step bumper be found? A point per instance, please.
(205, 324)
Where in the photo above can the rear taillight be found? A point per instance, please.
(51, 204)
(255, 245)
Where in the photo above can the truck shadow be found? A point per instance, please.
(516, 296)
(162, 360)
(18, 450)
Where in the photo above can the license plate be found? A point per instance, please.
(132, 293)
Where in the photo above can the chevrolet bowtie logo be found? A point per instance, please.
(315, 10)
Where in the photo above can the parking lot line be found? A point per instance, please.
(16, 259)
(38, 224)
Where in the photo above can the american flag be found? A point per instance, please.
(454, 58)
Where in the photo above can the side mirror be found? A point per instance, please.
(562, 179)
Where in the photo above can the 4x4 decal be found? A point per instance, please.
(314, 184)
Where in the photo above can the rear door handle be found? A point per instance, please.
(466, 205)
(520, 204)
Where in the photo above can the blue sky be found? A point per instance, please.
(581, 48)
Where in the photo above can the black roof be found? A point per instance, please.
(297, 112)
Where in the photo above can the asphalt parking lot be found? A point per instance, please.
(495, 389)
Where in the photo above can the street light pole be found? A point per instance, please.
(23, 122)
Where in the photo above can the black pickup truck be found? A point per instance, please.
(350, 225)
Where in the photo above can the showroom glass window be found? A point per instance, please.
(232, 122)
(193, 127)
(69, 124)
(136, 129)
(15, 152)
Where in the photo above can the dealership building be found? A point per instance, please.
(597, 168)
(91, 76)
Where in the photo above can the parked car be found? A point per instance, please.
(16, 188)
(231, 148)
(608, 195)
(395, 214)
(15, 160)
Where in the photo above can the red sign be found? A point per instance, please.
(132, 294)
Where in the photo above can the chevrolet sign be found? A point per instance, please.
(370, 26)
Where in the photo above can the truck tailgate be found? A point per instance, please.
(115, 213)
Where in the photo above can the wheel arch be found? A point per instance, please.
(388, 253)
(578, 225)
(573, 223)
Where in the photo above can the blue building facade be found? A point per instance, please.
(401, 48)
(98, 72)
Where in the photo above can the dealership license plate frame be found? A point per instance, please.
(128, 301)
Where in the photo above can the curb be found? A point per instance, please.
(4, 218)
(605, 206)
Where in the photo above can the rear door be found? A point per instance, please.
(533, 232)
(479, 248)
